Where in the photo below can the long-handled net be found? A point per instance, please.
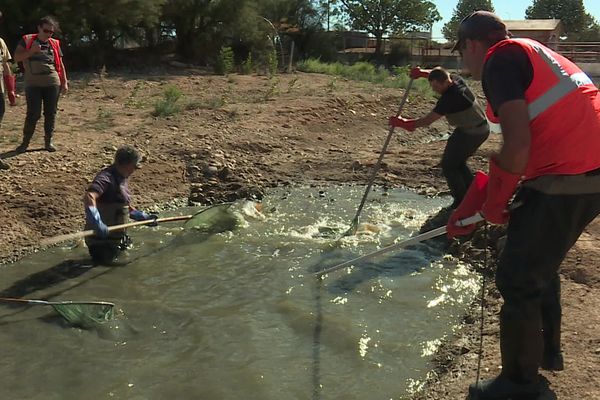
(214, 219)
(82, 314)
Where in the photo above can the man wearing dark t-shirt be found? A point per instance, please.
(460, 107)
(549, 112)
(107, 202)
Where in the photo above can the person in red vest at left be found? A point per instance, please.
(45, 79)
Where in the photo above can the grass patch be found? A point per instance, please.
(366, 72)
(134, 99)
(169, 104)
(104, 119)
(212, 103)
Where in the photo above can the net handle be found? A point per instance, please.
(114, 228)
(355, 220)
(54, 303)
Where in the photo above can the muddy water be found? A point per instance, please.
(238, 315)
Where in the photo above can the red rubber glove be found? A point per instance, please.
(10, 83)
(501, 188)
(469, 206)
(416, 73)
(400, 122)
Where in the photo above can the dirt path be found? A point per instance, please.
(238, 135)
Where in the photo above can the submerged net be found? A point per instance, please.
(215, 219)
(85, 315)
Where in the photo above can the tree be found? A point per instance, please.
(464, 8)
(381, 17)
(102, 23)
(579, 25)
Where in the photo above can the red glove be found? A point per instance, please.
(416, 73)
(10, 82)
(406, 124)
(469, 206)
(500, 190)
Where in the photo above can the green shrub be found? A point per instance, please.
(367, 72)
(169, 104)
(247, 66)
(272, 62)
(224, 64)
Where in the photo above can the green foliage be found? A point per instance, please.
(247, 66)
(464, 8)
(133, 100)
(364, 71)
(272, 89)
(169, 104)
(104, 119)
(381, 17)
(272, 62)
(292, 84)
(579, 25)
(213, 103)
(224, 64)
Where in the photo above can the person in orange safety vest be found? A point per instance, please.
(549, 114)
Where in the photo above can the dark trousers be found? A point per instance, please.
(36, 97)
(540, 233)
(459, 148)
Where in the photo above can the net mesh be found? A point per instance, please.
(214, 219)
(85, 315)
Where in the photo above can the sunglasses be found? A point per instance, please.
(48, 31)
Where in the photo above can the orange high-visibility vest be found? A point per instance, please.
(55, 43)
(564, 113)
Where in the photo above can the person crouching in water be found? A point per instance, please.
(461, 109)
(107, 202)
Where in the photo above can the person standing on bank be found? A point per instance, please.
(107, 202)
(461, 109)
(45, 79)
(549, 113)
(7, 76)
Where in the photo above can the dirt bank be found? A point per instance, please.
(238, 135)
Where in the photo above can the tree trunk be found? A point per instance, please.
(378, 45)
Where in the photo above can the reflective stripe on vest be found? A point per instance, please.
(566, 84)
(564, 113)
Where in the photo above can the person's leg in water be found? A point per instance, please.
(103, 253)
(459, 147)
(106, 252)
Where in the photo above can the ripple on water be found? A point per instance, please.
(239, 314)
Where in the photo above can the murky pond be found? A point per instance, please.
(239, 314)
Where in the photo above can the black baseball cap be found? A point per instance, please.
(480, 25)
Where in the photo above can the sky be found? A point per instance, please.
(506, 9)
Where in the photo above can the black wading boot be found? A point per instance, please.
(48, 143)
(553, 361)
(501, 388)
(521, 346)
(25, 143)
